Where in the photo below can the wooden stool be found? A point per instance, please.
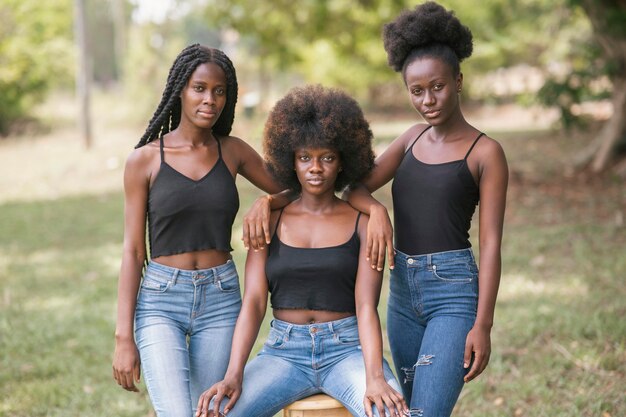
(318, 405)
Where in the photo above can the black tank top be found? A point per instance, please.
(313, 278)
(185, 215)
(433, 204)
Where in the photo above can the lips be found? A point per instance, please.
(431, 113)
(205, 113)
(315, 180)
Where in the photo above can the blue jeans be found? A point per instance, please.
(432, 307)
(184, 322)
(300, 360)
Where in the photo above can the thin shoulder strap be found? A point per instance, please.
(161, 148)
(278, 221)
(474, 144)
(417, 138)
(219, 147)
(356, 226)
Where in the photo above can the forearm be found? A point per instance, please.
(246, 332)
(281, 199)
(371, 342)
(128, 287)
(488, 284)
(361, 199)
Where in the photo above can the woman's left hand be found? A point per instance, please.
(478, 345)
(256, 224)
(381, 394)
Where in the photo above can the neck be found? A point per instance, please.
(194, 135)
(455, 124)
(318, 204)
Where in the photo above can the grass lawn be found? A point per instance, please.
(559, 340)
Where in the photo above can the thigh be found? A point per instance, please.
(438, 369)
(404, 327)
(346, 382)
(210, 341)
(269, 384)
(165, 364)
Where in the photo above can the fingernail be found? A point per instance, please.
(465, 365)
(391, 267)
(379, 269)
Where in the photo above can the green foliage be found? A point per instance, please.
(36, 53)
(573, 87)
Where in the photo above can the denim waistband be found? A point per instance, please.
(208, 274)
(428, 259)
(328, 327)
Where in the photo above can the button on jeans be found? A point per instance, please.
(432, 307)
(184, 322)
(300, 360)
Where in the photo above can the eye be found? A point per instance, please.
(220, 91)
(304, 158)
(416, 91)
(198, 88)
(329, 158)
(438, 87)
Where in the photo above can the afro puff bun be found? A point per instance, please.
(429, 23)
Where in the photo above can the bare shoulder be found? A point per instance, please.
(488, 149)
(233, 144)
(409, 135)
(142, 158)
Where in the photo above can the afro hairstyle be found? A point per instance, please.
(315, 116)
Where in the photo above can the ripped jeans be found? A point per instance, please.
(432, 307)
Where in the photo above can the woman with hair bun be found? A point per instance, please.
(441, 309)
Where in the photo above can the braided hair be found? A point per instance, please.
(428, 30)
(167, 115)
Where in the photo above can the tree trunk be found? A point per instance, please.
(610, 35)
(614, 129)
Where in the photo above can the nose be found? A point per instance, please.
(209, 98)
(429, 98)
(315, 166)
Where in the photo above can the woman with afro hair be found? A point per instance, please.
(325, 335)
(177, 318)
(441, 309)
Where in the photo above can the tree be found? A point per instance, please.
(35, 53)
(608, 18)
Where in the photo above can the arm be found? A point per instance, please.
(380, 231)
(367, 294)
(126, 367)
(493, 185)
(246, 332)
(256, 230)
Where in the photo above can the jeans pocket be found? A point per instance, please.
(275, 339)
(155, 285)
(228, 283)
(349, 336)
(453, 272)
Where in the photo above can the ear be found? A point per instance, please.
(459, 82)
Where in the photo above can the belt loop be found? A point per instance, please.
(331, 327)
(175, 276)
(429, 260)
(288, 330)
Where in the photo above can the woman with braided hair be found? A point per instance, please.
(441, 309)
(178, 320)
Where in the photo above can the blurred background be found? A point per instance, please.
(80, 79)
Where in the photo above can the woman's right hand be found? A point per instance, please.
(228, 387)
(379, 238)
(256, 224)
(126, 365)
